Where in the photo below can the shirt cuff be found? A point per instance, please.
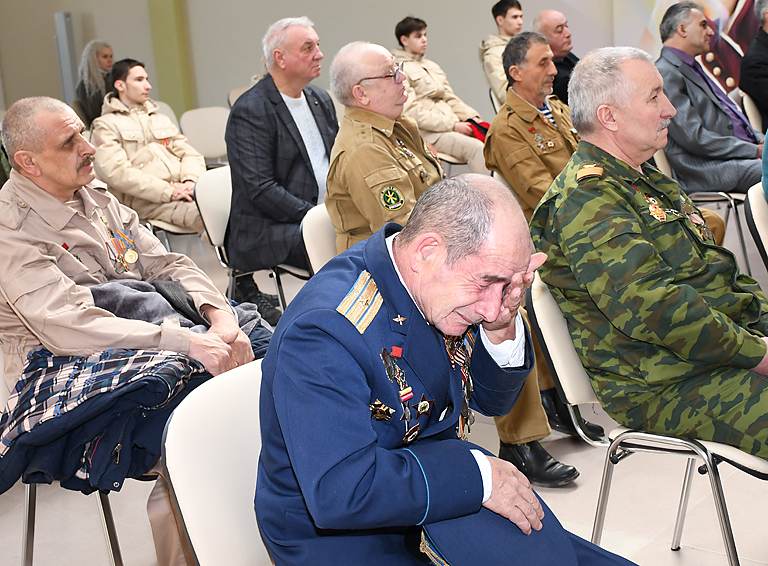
(510, 353)
(485, 473)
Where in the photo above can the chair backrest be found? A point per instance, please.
(495, 102)
(165, 108)
(752, 112)
(551, 329)
(213, 196)
(662, 163)
(236, 93)
(205, 129)
(211, 464)
(756, 210)
(338, 106)
(319, 237)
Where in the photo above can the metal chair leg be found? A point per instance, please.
(602, 499)
(279, 284)
(685, 495)
(722, 512)
(28, 540)
(108, 522)
(741, 240)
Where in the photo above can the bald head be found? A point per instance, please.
(554, 26)
(21, 129)
(465, 210)
(365, 75)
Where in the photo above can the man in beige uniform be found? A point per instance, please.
(440, 114)
(147, 163)
(54, 223)
(380, 164)
(508, 15)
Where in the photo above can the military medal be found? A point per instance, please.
(423, 175)
(403, 149)
(424, 406)
(411, 434)
(131, 256)
(458, 354)
(380, 411)
(120, 249)
(656, 211)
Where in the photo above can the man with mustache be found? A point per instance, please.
(672, 335)
(63, 235)
(711, 145)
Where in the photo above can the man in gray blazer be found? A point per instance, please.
(711, 145)
(279, 138)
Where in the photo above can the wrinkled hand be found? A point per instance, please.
(503, 328)
(183, 191)
(463, 128)
(512, 496)
(762, 367)
(224, 346)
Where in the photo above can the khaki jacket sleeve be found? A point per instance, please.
(378, 186)
(115, 168)
(519, 164)
(192, 162)
(462, 110)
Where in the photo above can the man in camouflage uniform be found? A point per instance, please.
(380, 164)
(670, 332)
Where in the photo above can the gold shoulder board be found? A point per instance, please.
(589, 171)
(362, 302)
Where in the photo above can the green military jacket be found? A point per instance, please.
(654, 307)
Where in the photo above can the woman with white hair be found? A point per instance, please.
(95, 65)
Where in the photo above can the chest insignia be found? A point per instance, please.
(423, 407)
(589, 170)
(362, 302)
(391, 198)
(656, 211)
(400, 319)
(380, 411)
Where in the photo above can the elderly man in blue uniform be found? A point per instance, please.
(368, 389)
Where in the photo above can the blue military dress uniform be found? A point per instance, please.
(336, 484)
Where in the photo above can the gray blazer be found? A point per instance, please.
(702, 150)
(273, 184)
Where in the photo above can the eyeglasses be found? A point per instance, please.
(396, 74)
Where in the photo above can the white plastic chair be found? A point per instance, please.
(752, 112)
(550, 327)
(449, 161)
(205, 129)
(165, 108)
(319, 237)
(756, 210)
(213, 197)
(212, 469)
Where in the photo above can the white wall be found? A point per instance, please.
(225, 36)
(28, 59)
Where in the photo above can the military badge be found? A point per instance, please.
(391, 198)
(423, 407)
(380, 411)
(653, 207)
(589, 170)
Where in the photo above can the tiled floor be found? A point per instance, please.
(639, 523)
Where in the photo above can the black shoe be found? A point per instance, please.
(246, 291)
(267, 311)
(537, 464)
(560, 420)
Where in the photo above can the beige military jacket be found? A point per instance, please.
(139, 152)
(491, 51)
(51, 254)
(379, 168)
(431, 101)
(527, 150)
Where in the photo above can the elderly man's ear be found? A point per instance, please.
(27, 162)
(606, 117)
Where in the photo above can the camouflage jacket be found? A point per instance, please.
(649, 298)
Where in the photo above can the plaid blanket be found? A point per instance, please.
(54, 385)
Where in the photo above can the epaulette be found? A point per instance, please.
(362, 302)
(363, 132)
(589, 170)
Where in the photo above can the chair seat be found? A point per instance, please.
(450, 159)
(753, 465)
(717, 197)
(295, 271)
